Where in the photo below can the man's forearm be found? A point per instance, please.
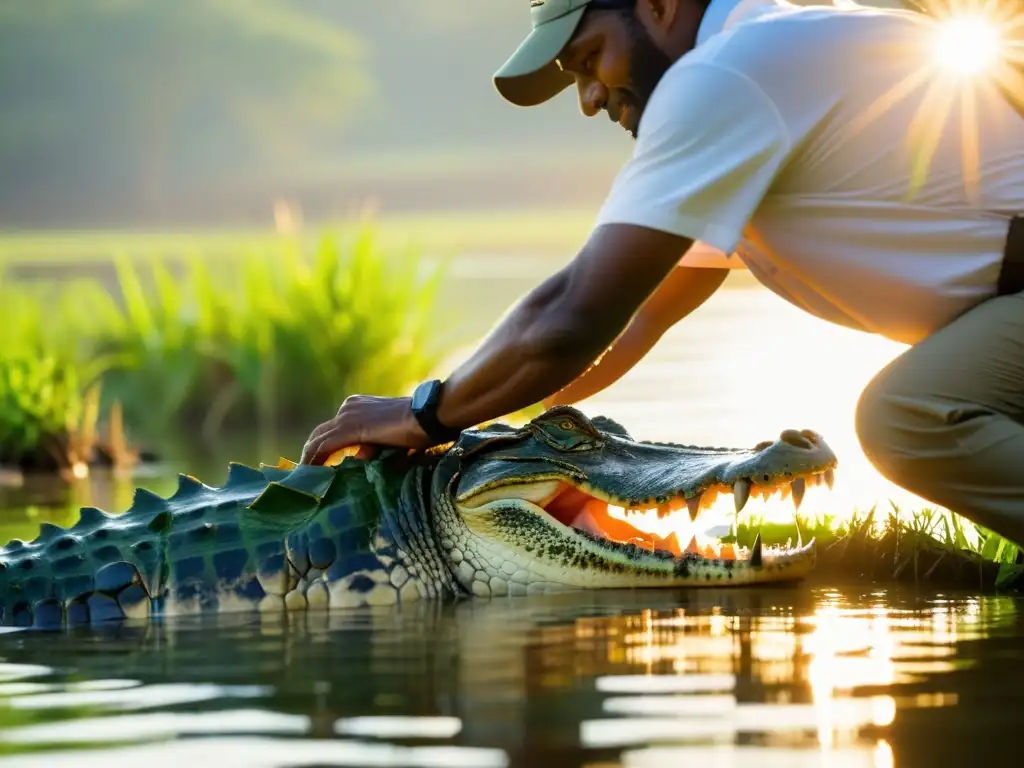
(558, 330)
(537, 349)
(680, 293)
(626, 351)
(542, 345)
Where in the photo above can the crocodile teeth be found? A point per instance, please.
(670, 543)
(740, 493)
(693, 505)
(799, 487)
(830, 478)
(755, 552)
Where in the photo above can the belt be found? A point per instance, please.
(1011, 274)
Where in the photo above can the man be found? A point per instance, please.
(853, 172)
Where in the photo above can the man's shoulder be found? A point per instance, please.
(781, 49)
(780, 31)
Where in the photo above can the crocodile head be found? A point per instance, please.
(548, 506)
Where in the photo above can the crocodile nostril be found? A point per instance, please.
(794, 438)
(764, 445)
(811, 435)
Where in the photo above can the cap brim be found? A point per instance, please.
(530, 76)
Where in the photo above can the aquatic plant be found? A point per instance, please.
(279, 336)
(49, 384)
(40, 398)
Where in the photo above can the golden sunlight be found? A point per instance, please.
(968, 45)
(977, 44)
(712, 382)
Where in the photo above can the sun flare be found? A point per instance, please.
(968, 45)
(976, 52)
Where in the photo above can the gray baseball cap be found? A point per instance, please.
(531, 76)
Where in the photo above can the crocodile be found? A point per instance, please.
(503, 510)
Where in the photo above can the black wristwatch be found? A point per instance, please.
(425, 400)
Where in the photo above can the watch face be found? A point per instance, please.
(421, 397)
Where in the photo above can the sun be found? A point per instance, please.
(967, 45)
(974, 54)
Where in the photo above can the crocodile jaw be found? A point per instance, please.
(551, 535)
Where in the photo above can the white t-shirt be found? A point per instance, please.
(790, 136)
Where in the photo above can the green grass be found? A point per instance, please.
(927, 547)
(282, 335)
(277, 335)
(47, 376)
(41, 398)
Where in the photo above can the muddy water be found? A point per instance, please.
(824, 676)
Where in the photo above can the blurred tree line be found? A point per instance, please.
(129, 98)
(118, 111)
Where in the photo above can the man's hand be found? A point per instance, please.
(367, 421)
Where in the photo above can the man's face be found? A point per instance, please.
(616, 65)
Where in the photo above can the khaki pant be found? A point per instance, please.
(945, 420)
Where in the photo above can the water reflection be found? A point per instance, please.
(748, 677)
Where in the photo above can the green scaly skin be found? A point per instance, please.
(486, 516)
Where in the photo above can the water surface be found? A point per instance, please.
(795, 677)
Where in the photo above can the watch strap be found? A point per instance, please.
(425, 401)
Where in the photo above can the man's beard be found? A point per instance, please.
(647, 65)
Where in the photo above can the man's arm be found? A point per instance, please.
(558, 329)
(683, 291)
(544, 343)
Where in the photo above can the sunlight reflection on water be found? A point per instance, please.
(725, 677)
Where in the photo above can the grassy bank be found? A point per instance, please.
(925, 548)
(278, 334)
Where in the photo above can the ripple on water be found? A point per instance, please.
(793, 677)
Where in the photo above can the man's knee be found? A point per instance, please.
(885, 425)
(909, 433)
(870, 423)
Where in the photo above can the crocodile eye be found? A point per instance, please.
(567, 435)
(566, 432)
